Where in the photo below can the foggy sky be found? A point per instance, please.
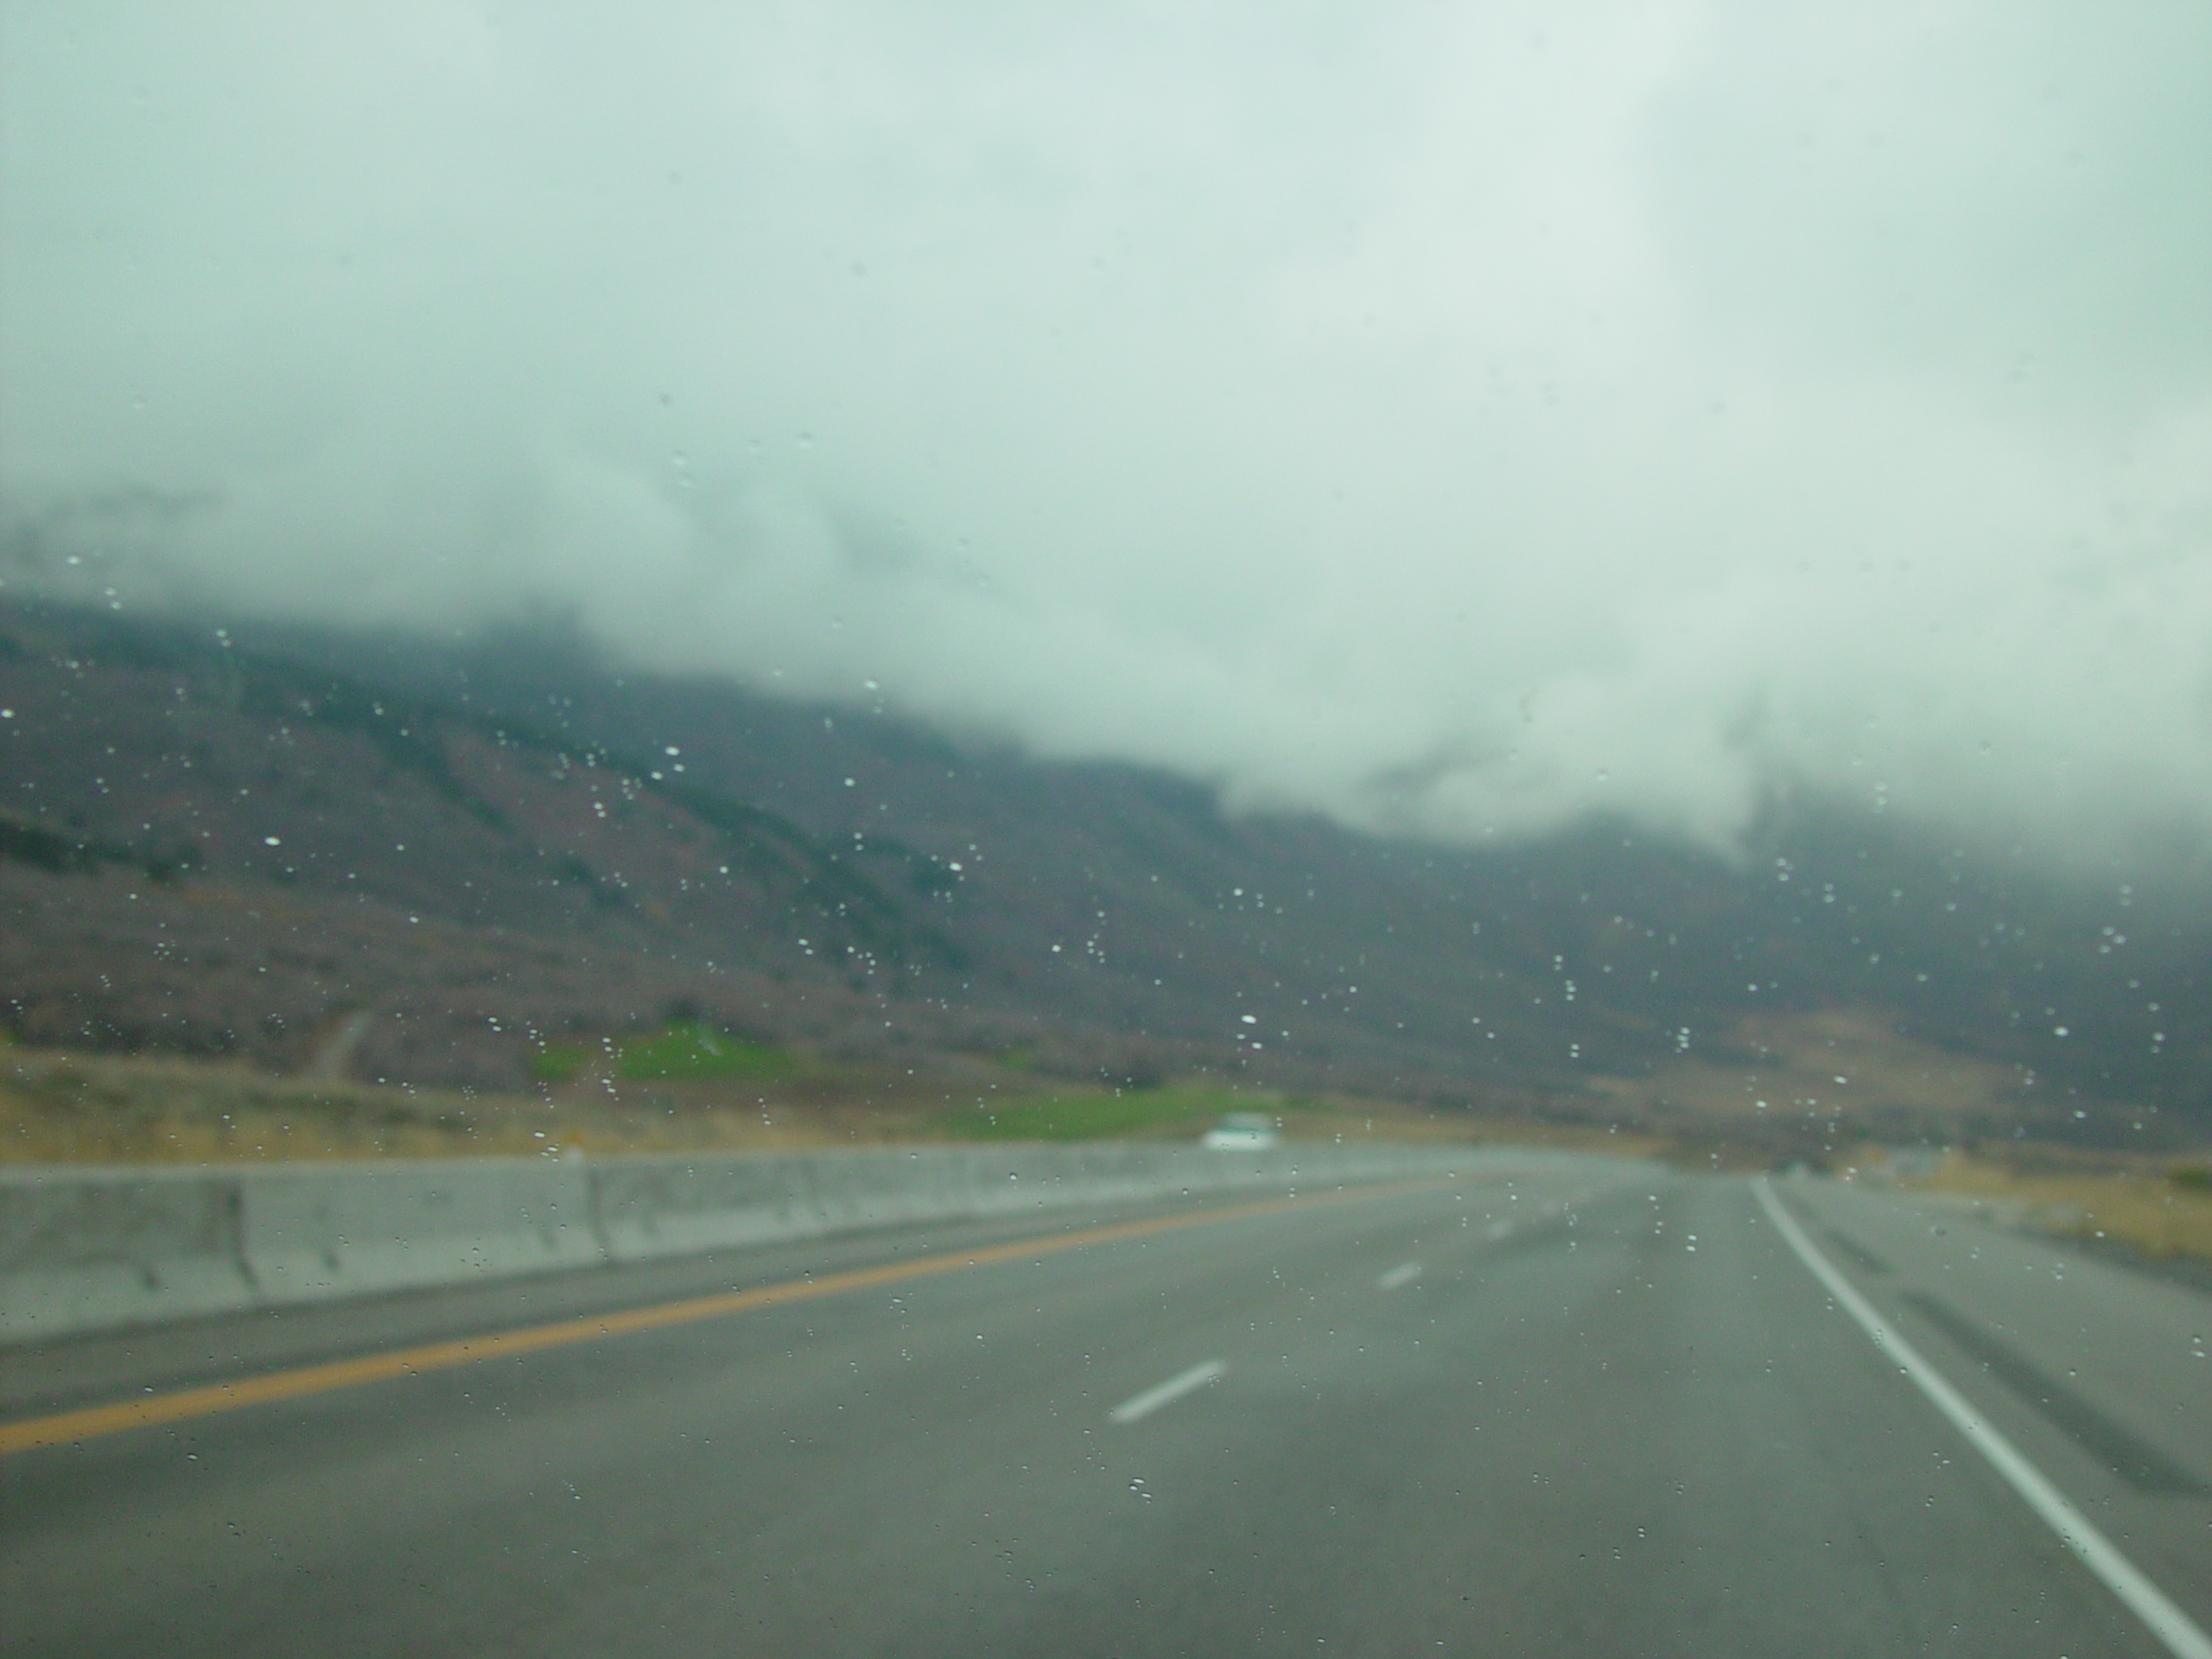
(1453, 419)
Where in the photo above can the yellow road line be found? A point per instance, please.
(64, 1427)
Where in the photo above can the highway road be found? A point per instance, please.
(1602, 1408)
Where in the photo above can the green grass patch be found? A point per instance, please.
(676, 1054)
(697, 1053)
(558, 1062)
(1102, 1114)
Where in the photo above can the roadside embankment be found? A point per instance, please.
(63, 1107)
(2159, 1208)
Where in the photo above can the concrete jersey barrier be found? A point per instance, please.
(308, 1235)
(85, 1249)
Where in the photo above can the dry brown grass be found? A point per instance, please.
(2162, 1207)
(87, 1109)
(1848, 1063)
(59, 1107)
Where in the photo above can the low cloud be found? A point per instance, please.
(1453, 423)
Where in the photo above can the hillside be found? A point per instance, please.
(384, 859)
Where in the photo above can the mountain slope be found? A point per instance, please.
(231, 840)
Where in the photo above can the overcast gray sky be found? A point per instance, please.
(1452, 418)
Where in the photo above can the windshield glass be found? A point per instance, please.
(847, 828)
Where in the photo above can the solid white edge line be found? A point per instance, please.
(2144, 1599)
(1143, 1405)
(1400, 1276)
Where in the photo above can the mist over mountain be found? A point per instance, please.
(228, 838)
(1457, 423)
(1473, 553)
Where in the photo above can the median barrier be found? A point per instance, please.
(312, 1233)
(85, 1249)
(648, 1206)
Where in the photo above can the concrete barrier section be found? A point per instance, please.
(91, 1249)
(85, 1249)
(348, 1230)
(654, 1206)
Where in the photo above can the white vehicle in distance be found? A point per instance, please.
(1243, 1132)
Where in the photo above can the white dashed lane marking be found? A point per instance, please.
(1166, 1393)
